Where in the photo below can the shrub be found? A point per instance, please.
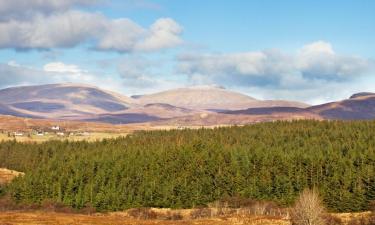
(173, 216)
(143, 213)
(238, 202)
(53, 206)
(308, 209)
(7, 203)
(332, 220)
(201, 213)
(360, 221)
(88, 209)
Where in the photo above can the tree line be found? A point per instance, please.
(189, 168)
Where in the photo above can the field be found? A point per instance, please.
(9, 125)
(7, 176)
(122, 218)
(50, 137)
(39, 218)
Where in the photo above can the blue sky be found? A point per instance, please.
(311, 51)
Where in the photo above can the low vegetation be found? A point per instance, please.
(308, 209)
(270, 162)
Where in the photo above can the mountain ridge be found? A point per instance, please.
(72, 101)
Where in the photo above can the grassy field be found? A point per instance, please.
(35, 138)
(40, 217)
(122, 218)
(7, 176)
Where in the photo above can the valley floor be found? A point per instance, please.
(119, 218)
(35, 138)
(43, 218)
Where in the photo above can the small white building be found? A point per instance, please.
(18, 134)
(55, 128)
(60, 133)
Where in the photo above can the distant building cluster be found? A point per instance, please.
(51, 131)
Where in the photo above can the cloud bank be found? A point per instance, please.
(22, 10)
(313, 62)
(276, 74)
(42, 24)
(13, 74)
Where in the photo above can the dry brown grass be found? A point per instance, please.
(124, 218)
(308, 209)
(8, 175)
(46, 218)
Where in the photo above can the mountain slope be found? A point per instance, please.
(62, 100)
(209, 98)
(359, 106)
(8, 110)
(180, 106)
(214, 119)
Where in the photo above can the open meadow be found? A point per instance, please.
(96, 136)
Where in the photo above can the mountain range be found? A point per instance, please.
(198, 105)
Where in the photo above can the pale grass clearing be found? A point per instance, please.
(7, 176)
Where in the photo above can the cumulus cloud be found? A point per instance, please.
(61, 30)
(318, 60)
(60, 67)
(21, 9)
(164, 33)
(14, 74)
(307, 74)
(313, 62)
(71, 28)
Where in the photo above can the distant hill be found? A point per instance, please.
(62, 100)
(8, 110)
(210, 98)
(359, 106)
(198, 105)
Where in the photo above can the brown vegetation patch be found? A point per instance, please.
(46, 218)
(7, 176)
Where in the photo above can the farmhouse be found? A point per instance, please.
(55, 128)
(18, 134)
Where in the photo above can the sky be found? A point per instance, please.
(311, 51)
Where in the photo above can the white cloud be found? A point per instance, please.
(124, 35)
(120, 35)
(318, 47)
(164, 33)
(14, 74)
(60, 30)
(316, 61)
(24, 9)
(308, 74)
(71, 28)
(135, 76)
(319, 60)
(60, 67)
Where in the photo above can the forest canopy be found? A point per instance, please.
(188, 168)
